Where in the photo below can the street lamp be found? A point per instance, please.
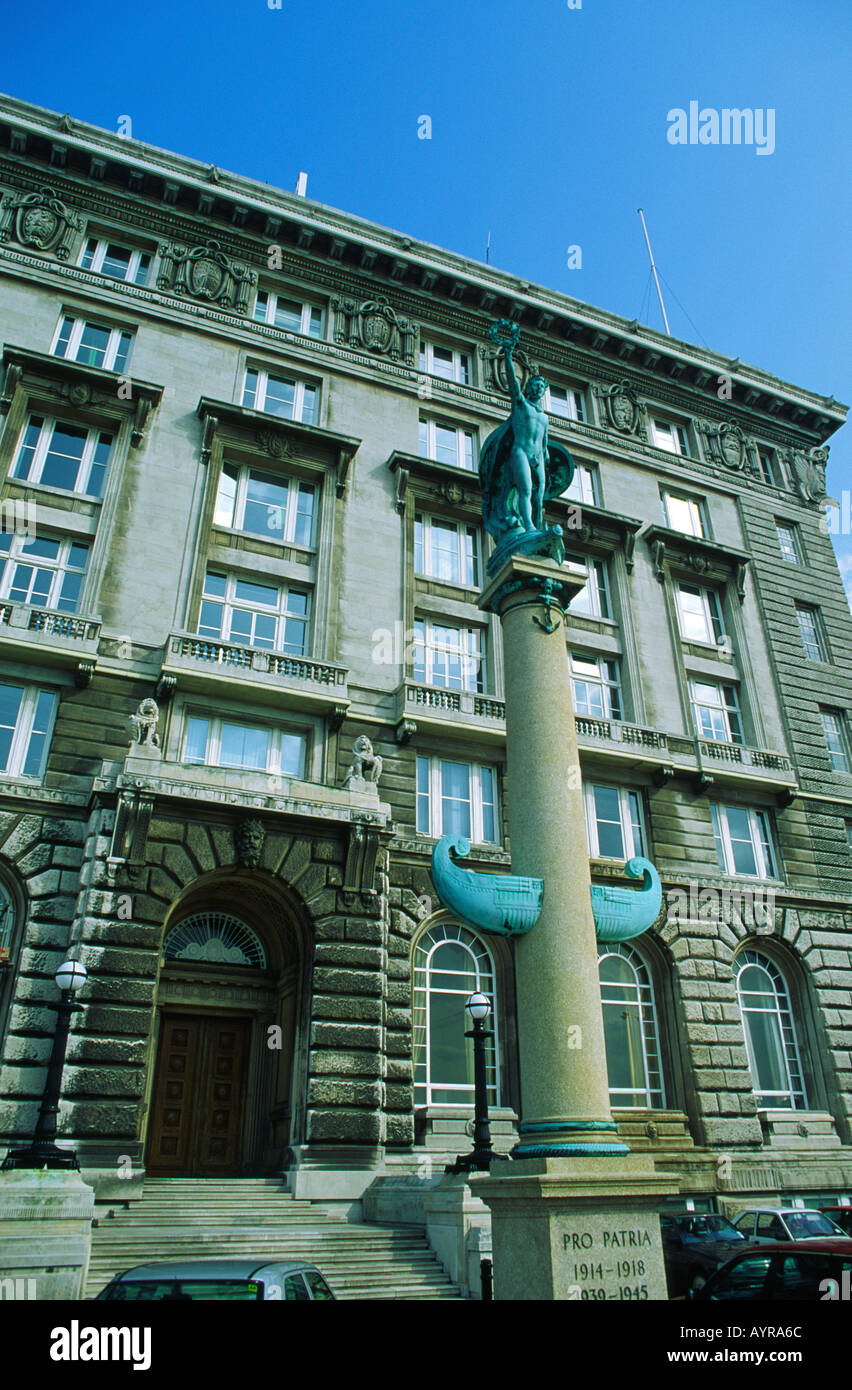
(482, 1155)
(43, 1152)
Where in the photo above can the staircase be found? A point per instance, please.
(194, 1218)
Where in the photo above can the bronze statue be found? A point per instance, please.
(520, 468)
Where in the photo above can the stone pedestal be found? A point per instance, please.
(45, 1233)
(577, 1228)
(453, 1213)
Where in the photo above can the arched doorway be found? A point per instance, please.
(226, 1091)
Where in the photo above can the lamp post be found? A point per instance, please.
(43, 1152)
(482, 1155)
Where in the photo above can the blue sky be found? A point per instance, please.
(548, 130)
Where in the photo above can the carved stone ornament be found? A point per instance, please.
(144, 723)
(808, 473)
(274, 443)
(250, 839)
(374, 326)
(40, 222)
(366, 766)
(623, 408)
(206, 273)
(494, 368)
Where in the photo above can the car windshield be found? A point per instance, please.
(146, 1290)
(810, 1223)
(707, 1227)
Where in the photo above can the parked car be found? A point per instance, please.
(694, 1244)
(841, 1216)
(762, 1224)
(785, 1271)
(226, 1280)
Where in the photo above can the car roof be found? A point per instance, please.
(778, 1211)
(838, 1245)
(212, 1269)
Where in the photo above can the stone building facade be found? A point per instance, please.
(241, 532)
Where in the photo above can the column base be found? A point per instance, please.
(568, 1139)
(576, 1228)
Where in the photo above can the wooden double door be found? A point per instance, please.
(198, 1103)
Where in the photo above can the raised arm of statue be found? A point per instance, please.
(514, 384)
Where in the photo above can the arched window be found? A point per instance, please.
(7, 923)
(630, 1030)
(773, 1052)
(214, 938)
(450, 964)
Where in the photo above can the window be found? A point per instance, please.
(42, 572)
(593, 599)
(289, 314)
(684, 514)
(447, 444)
(118, 262)
(278, 395)
(456, 799)
(56, 454)
(94, 344)
(836, 732)
(564, 401)
(670, 437)
(613, 822)
(743, 841)
(811, 630)
(446, 362)
(26, 721)
(450, 963)
(258, 615)
(278, 509)
(451, 657)
(699, 615)
(597, 691)
(770, 1034)
(770, 468)
(584, 485)
(7, 921)
(789, 542)
(446, 550)
(630, 1029)
(716, 711)
(222, 743)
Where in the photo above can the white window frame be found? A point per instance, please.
(229, 602)
(585, 485)
(835, 727)
(727, 705)
(290, 508)
(299, 387)
(24, 730)
(306, 311)
(596, 589)
(712, 611)
(795, 1095)
(427, 981)
(770, 466)
(629, 801)
(761, 837)
(98, 255)
(213, 744)
(14, 555)
(670, 436)
(569, 397)
(653, 1095)
(469, 574)
(818, 642)
(429, 427)
(78, 328)
(470, 653)
(434, 798)
(606, 678)
(460, 367)
(695, 508)
(791, 530)
(42, 448)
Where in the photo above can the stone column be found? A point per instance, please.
(560, 1023)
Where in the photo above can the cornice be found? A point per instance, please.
(279, 437)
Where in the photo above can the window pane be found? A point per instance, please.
(10, 704)
(226, 497)
(292, 755)
(608, 818)
(195, 748)
(244, 747)
(37, 747)
(266, 507)
(65, 452)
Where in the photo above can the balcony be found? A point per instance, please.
(455, 712)
(205, 664)
(703, 758)
(44, 635)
